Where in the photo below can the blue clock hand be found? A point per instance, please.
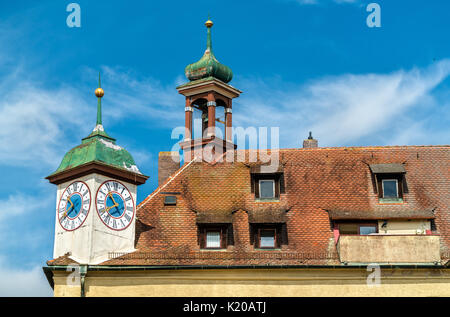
(75, 207)
(117, 210)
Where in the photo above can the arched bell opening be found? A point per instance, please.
(199, 117)
(220, 118)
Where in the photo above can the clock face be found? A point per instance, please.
(115, 205)
(74, 205)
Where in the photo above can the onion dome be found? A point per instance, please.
(98, 147)
(208, 65)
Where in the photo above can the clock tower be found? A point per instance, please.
(96, 197)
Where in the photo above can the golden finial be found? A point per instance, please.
(209, 23)
(99, 92)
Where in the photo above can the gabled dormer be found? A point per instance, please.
(389, 182)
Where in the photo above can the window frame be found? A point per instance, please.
(359, 225)
(170, 203)
(275, 239)
(280, 232)
(202, 235)
(396, 185)
(278, 180)
(273, 188)
(213, 231)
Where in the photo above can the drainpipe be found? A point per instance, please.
(83, 272)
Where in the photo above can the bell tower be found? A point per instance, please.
(208, 105)
(96, 197)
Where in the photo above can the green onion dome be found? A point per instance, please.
(208, 65)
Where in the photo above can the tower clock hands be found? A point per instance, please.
(68, 210)
(115, 204)
(112, 198)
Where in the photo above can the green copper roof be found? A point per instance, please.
(208, 65)
(98, 147)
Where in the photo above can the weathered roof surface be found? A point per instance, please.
(98, 148)
(316, 180)
(387, 168)
(62, 260)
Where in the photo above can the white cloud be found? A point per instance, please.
(36, 123)
(24, 283)
(39, 125)
(22, 280)
(18, 204)
(129, 94)
(345, 109)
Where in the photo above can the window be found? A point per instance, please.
(217, 236)
(358, 228)
(268, 236)
(389, 182)
(170, 200)
(390, 188)
(213, 239)
(267, 188)
(365, 230)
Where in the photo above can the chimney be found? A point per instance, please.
(310, 142)
(168, 163)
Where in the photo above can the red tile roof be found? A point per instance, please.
(317, 181)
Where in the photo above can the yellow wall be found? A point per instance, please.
(389, 249)
(404, 227)
(259, 282)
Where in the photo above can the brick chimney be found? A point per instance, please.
(310, 142)
(168, 163)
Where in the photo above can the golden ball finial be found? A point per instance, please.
(209, 23)
(99, 92)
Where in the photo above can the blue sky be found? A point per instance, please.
(302, 65)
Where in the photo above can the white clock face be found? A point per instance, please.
(115, 205)
(74, 205)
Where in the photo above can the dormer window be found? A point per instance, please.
(215, 236)
(390, 188)
(268, 235)
(213, 239)
(170, 200)
(267, 188)
(267, 238)
(390, 182)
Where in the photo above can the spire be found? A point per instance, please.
(209, 25)
(99, 93)
(99, 130)
(208, 65)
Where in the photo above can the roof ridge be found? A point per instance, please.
(170, 179)
(351, 147)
